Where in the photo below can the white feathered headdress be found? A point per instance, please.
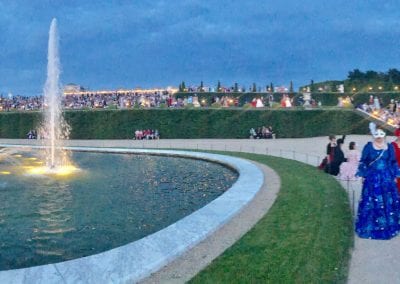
(376, 133)
(372, 127)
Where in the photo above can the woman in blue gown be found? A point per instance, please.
(379, 207)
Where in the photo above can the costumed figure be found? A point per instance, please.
(348, 169)
(338, 157)
(340, 102)
(377, 105)
(379, 207)
(396, 146)
(283, 101)
(259, 103)
(329, 154)
(288, 103)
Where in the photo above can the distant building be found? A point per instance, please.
(73, 88)
(281, 89)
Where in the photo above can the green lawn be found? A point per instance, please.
(306, 236)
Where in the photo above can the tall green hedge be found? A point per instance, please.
(192, 123)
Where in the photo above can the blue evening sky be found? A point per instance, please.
(157, 43)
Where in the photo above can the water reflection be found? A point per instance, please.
(54, 218)
(114, 200)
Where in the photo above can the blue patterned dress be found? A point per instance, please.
(379, 208)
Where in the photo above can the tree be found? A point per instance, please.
(183, 86)
(271, 87)
(254, 88)
(356, 75)
(201, 86)
(390, 84)
(312, 86)
(394, 74)
(219, 86)
(291, 87)
(236, 88)
(371, 75)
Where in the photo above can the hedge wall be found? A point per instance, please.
(192, 123)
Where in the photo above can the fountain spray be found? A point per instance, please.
(55, 128)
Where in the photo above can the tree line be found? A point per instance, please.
(392, 75)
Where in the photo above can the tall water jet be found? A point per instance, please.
(54, 129)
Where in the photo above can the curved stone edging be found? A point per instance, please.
(136, 260)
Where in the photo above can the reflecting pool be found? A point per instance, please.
(113, 199)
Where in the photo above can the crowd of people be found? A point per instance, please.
(378, 214)
(12, 103)
(225, 101)
(127, 100)
(93, 101)
(32, 134)
(262, 133)
(146, 134)
(389, 115)
(116, 101)
(345, 102)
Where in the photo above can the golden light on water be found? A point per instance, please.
(58, 171)
(36, 170)
(35, 167)
(27, 167)
(66, 170)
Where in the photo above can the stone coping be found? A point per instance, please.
(137, 260)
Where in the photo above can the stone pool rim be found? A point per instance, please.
(138, 259)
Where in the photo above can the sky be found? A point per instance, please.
(159, 43)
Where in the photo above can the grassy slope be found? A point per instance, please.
(305, 238)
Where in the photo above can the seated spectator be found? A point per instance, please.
(266, 133)
(273, 136)
(30, 134)
(253, 133)
(259, 133)
(259, 103)
(148, 134)
(254, 102)
(262, 133)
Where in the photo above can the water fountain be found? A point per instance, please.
(54, 128)
(122, 196)
(52, 96)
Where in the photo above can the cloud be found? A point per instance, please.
(129, 43)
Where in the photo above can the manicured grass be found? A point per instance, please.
(306, 236)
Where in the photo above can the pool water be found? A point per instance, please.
(113, 200)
